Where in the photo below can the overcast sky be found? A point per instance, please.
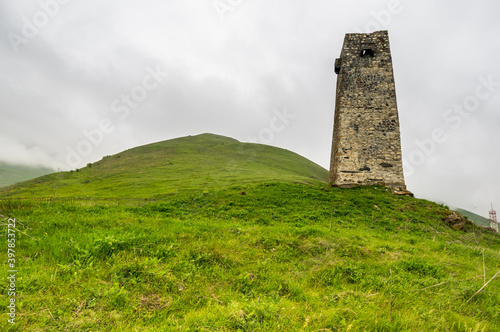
(84, 79)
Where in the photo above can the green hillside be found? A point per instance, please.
(477, 219)
(208, 234)
(10, 174)
(188, 163)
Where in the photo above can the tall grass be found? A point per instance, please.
(255, 257)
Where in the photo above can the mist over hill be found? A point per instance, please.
(10, 174)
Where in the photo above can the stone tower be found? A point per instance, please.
(366, 146)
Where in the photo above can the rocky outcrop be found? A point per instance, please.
(458, 221)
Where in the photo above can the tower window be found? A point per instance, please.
(337, 65)
(367, 52)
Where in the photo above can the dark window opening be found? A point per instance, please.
(367, 52)
(337, 66)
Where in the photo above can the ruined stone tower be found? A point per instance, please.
(366, 146)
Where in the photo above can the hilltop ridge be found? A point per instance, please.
(186, 163)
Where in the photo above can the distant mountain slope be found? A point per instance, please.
(10, 174)
(477, 219)
(188, 163)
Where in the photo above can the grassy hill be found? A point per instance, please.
(10, 174)
(160, 169)
(250, 238)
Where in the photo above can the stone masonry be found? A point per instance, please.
(366, 146)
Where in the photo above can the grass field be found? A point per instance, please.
(237, 253)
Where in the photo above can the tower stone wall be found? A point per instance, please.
(366, 147)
